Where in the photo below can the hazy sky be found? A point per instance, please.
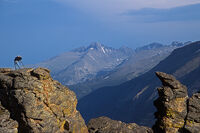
(40, 29)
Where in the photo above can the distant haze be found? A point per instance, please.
(40, 29)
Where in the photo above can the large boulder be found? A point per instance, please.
(38, 103)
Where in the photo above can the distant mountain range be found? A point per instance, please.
(86, 69)
(140, 61)
(132, 101)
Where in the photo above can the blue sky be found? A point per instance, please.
(40, 29)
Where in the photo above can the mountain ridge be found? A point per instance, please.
(138, 63)
(132, 101)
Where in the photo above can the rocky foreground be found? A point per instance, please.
(32, 102)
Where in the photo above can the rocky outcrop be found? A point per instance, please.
(171, 104)
(37, 103)
(106, 125)
(176, 112)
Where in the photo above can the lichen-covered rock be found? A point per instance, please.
(106, 125)
(7, 125)
(38, 103)
(193, 117)
(171, 105)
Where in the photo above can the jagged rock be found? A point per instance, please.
(7, 125)
(106, 125)
(38, 103)
(171, 105)
(193, 117)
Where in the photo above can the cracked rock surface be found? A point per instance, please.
(38, 103)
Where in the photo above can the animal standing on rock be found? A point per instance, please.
(18, 62)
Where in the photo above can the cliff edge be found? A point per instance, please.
(31, 101)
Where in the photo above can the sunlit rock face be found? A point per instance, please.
(38, 103)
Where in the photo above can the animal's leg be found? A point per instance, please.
(17, 65)
(21, 64)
